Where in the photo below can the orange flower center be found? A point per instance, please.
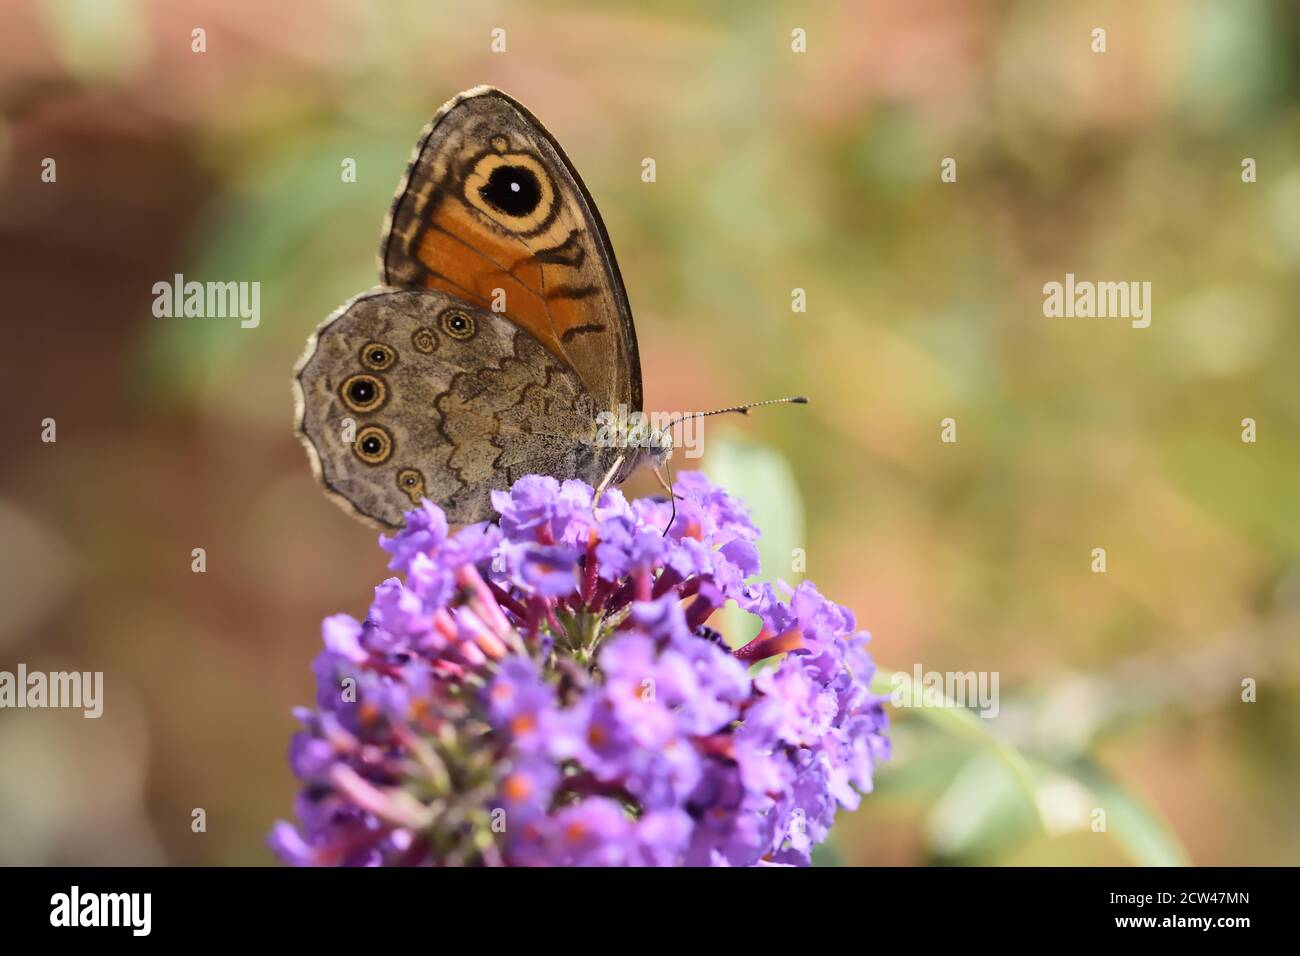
(523, 724)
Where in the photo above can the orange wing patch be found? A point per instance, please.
(475, 268)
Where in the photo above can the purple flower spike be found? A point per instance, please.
(549, 690)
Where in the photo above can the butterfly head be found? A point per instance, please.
(658, 448)
(643, 445)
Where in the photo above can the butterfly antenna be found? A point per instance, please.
(741, 409)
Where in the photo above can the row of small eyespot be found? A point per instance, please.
(364, 393)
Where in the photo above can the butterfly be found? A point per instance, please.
(499, 342)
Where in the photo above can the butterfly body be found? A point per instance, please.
(499, 342)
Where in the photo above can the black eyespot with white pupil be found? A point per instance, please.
(363, 393)
(377, 356)
(458, 324)
(514, 190)
(374, 445)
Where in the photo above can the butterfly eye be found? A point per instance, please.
(363, 393)
(374, 445)
(424, 339)
(458, 324)
(377, 356)
(411, 482)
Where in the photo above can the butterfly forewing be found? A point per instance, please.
(492, 212)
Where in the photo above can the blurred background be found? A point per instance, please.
(775, 170)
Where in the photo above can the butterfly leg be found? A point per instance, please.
(604, 483)
(667, 486)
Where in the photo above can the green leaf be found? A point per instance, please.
(984, 811)
(1136, 828)
(945, 714)
(762, 479)
(1001, 797)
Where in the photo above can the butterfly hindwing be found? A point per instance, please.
(407, 394)
(492, 212)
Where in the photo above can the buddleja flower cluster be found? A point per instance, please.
(547, 690)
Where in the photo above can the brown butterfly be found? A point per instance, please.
(498, 342)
